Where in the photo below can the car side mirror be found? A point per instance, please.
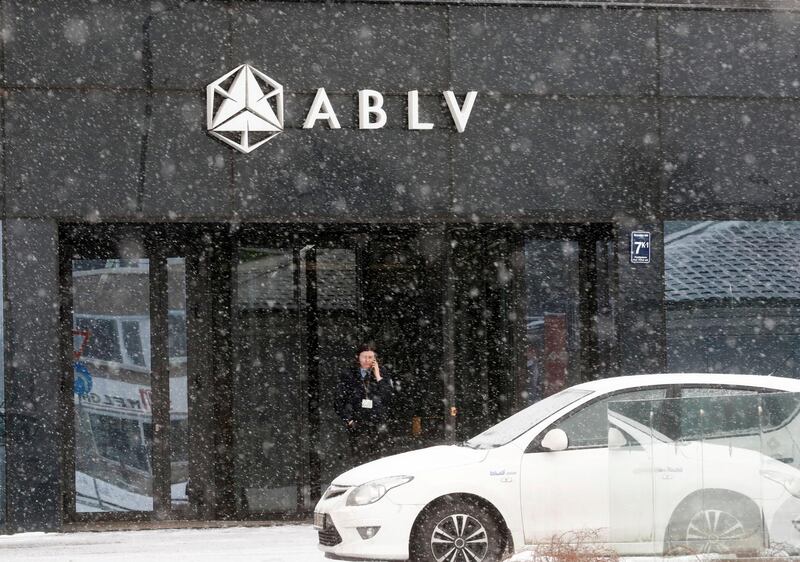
(555, 440)
(616, 438)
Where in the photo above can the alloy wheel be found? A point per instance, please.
(713, 529)
(459, 538)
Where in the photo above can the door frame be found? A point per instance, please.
(505, 244)
(155, 243)
(307, 239)
(211, 255)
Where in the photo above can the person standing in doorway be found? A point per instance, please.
(363, 402)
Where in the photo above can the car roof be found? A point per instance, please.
(712, 379)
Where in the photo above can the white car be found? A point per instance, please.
(649, 464)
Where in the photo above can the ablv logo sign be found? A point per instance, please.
(244, 108)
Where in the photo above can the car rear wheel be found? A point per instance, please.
(716, 523)
(456, 531)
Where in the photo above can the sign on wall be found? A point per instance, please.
(244, 109)
(640, 247)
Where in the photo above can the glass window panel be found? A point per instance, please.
(112, 395)
(269, 381)
(336, 279)
(177, 334)
(733, 296)
(265, 279)
(605, 319)
(716, 412)
(338, 339)
(552, 319)
(178, 382)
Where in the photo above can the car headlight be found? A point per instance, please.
(789, 482)
(371, 492)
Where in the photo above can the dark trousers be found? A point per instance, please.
(368, 441)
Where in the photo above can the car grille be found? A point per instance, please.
(329, 536)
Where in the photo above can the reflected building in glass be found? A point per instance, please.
(733, 297)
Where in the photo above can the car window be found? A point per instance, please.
(588, 427)
(122, 440)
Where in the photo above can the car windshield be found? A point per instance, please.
(511, 428)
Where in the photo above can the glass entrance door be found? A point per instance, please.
(533, 307)
(301, 308)
(128, 381)
(270, 379)
(297, 324)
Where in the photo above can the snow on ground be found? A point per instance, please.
(279, 543)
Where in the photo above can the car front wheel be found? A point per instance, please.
(456, 531)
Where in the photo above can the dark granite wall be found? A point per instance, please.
(34, 432)
(579, 111)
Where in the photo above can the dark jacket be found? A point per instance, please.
(351, 390)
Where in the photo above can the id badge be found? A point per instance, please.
(366, 403)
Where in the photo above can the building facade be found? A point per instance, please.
(194, 248)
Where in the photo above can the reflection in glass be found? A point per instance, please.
(552, 324)
(178, 381)
(733, 297)
(713, 472)
(132, 342)
(103, 344)
(112, 391)
(587, 428)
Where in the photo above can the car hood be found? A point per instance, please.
(411, 464)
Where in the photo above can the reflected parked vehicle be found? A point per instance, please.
(658, 486)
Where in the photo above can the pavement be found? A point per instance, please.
(278, 543)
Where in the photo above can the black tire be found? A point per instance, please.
(457, 527)
(715, 522)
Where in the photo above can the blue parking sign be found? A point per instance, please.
(83, 380)
(640, 247)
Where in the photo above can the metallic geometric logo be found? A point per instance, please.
(244, 108)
